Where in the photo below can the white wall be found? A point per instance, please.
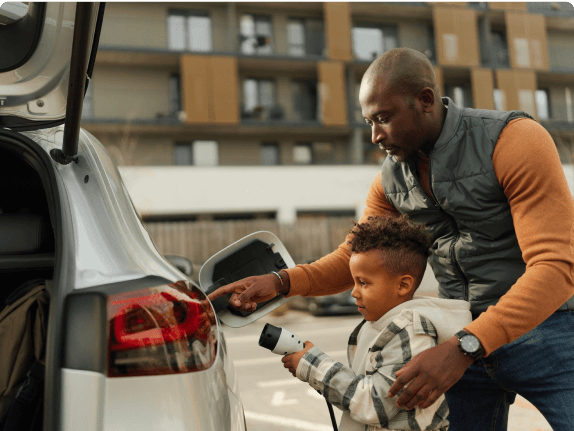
(179, 190)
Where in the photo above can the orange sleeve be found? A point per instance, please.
(330, 274)
(527, 166)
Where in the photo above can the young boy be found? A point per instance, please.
(388, 261)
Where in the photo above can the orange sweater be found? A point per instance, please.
(527, 166)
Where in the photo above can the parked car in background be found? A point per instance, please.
(341, 303)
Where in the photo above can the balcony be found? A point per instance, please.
(552, 9)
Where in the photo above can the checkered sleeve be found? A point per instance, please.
(366, 396)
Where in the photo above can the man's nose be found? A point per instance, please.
(377, 134)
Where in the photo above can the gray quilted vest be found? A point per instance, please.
(475, 253)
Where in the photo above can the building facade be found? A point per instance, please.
(251, 84)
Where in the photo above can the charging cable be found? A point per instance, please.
(283, 342)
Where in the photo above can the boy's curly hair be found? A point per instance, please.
(405, 245)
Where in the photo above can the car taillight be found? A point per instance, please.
(161, 330)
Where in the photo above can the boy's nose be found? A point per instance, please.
(354, 292)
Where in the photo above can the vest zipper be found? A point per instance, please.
(455, 228)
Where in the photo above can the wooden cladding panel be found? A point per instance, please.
(195, 80)
(338, 30)
(456, 36)
(333, 103)
(507, 5)
(482, 88)
(518, 89)
(209, 87)
(439, 80)
(527, 44)
(225, 90)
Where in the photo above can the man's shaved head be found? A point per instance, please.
(400, 100)
(404, 70)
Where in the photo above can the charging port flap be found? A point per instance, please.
(256, 254)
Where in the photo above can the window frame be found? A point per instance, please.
(174, 85)
(378, 26)
(186, 14)
(257, 50)
(546, 90)
(192, 156)
(308, 83)
(274, 145)
(258, 94)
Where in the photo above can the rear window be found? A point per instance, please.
(10, 12)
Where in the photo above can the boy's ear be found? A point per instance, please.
(406, 285)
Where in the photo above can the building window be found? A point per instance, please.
(370, 41)
(302, 154)
(189, 31)
(259, 100)
(542, 97)
(499, 100)
(460, 95)
(174, 95)
(316, 153)
(304, 100)
(569, 110)
(256, 34)
(88, 103)
(197, 153)
(270, 154)
(498, 49)
(306, 36)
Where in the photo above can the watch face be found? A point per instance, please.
(469, 343)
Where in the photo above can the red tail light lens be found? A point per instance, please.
(161, 330)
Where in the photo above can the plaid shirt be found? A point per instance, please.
(363, 396)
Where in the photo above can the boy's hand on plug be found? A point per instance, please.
(292, 361)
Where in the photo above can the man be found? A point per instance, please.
(490, 188)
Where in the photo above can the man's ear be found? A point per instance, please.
(406, 285)
(427, 99)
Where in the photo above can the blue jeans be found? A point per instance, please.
(539, 366)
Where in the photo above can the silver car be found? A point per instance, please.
(131, 342)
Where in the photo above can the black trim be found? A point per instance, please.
(95, 44)
(25, 125)
(19, 40)
(85, 338)
(76, 85)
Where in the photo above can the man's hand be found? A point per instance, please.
(246, 293)
(292, 361)
(431, 373)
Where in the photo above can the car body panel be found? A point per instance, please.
(110, 243)
(37, 90)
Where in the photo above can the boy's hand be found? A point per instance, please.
(292, 361)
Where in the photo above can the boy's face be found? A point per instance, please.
(376, 291)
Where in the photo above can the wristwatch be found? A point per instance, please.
(469, 345)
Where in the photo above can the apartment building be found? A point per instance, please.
(271, 83)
